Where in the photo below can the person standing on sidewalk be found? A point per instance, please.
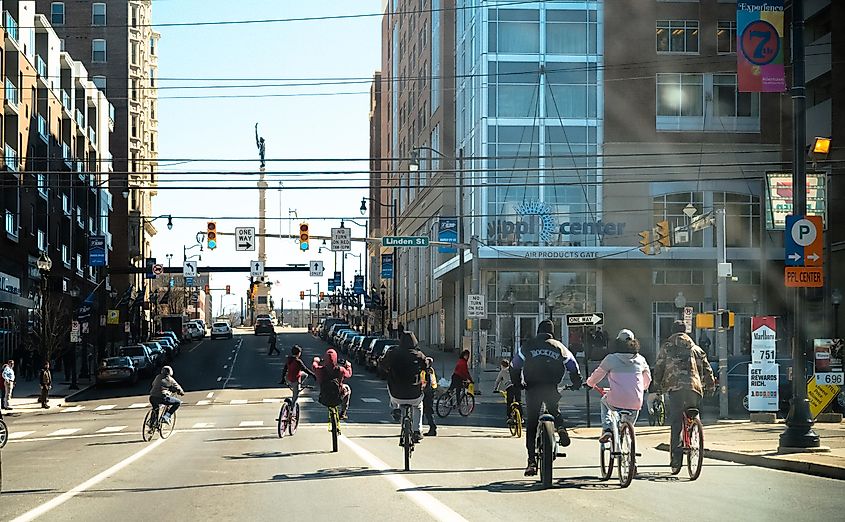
(46, 381)
(272, 344)
(429, 380)
(682, 370)
(8, 383)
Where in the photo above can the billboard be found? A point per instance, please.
(779, 197)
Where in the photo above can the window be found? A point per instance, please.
(98, 14)
(571, 32)
(680, 94)
(65, 204)
(134, 90)
(62, 44)
(66, 255)
(705, 102)
(678, 277)
(134, 126)
(518, 31)
(98, 51)
(42, 241)
(152, 77)
(57, 13)
(728, 101)
(153, 46)
(100, 82)
(134, 59)
(677, 36)
(726, 36)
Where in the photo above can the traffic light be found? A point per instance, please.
(228, 289)
(645, 242)
(303, 236)
(322, 295)
(302, 295)
(206, 289)
(211, 235)
(663, 234)
(726, 319)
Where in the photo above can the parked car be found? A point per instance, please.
(221, 329)
(201, 324)
(376, 350)
(264, 325)
(326, 326)
(334, 325)
(173, 337)
(341, 338)
(355, 353)
(194, 331)
(379, 366)
(169, 346)
(116, 369)
(141, 358)
(157, 353)
(350, 342)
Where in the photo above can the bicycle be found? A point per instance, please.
(334, 425)
(657, 414)
(546, 445)
(4, 434)
(622, 447)
(407, 434)
(692, 440)
(514, 416)
(153, 424)
(465, 404)
(288, 419)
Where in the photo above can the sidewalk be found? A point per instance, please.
(25, 394)
(754, 445)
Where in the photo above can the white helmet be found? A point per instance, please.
(167, 370)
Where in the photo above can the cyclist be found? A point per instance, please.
(404, 365)
(543, 361)
(683, 371)
(460, 376)
(505, 384)
(162, 390)
(295, 371)
(629, 376)
(331, 371)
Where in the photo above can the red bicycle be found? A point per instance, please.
(692, 440)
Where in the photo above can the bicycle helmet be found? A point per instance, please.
(167, 370)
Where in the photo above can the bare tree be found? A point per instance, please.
(55, 327)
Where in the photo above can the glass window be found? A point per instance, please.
(100, 82)
(680, 94)
(519, 37)
(728, 101)
(98, 51)
(670, 207)
(57, 13)
(98, 14)
(570, 32)
(726, 36)
(677, 36)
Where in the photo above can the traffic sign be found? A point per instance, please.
(189, 269)
(803, 276)
(592, 319)
(404, 241)
(256, 268)
(113, 317)
(245, 239)
(476, 306)
(158, 269)
(803, 241)
(341, 239)
(315, 268)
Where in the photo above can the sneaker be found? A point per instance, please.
(564, 437)
(431, 433)
(417, 437)
(165, 419)
(531, 469)
(676, 467)
(605, 437)
(344, 416)
(397, 414)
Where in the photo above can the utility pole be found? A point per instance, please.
(462, 285)
(476, 337)
(799, 432)
(721, 304)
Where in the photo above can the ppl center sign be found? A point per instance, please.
(536, 221)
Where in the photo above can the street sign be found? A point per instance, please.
(189, 281)
(97, 250)
(404, 241)
(688, 310)
(592, 319)
(820, 396)
(341, 239)
(113, 317)
(74, 332)
(337, 280)
(158, 269)
(127, 327)
(804, 276)
(690, 210)
(315, 268)
(476, 306)
(701, 222)
(803, 241)
(256, 268)
(245, 239)
(189, 269)
(331, 286)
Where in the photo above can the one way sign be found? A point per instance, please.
(245, 239)
(593, 319)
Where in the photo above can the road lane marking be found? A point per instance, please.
(271, 400)
(250, 424)
(19, 434)
(219, 379)
(225, 366)
(210, 395)
(202, 425)
(72, 437)
(230, 358)
(238, 401)
(73, 409)
(306, 399)
(105, 407)
(138, 405)
(112, 429)
(437, 509)
(203, 403)
(64, 431)
(236, 351)
(369, 399)
(93, 481)
(196, 346)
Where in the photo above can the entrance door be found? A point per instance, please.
(515, 331)
(663, 328)
(526, 328)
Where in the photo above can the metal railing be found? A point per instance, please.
(65, 100)
(42, 126)
(80, 119)
(11, 25)
(11, 157)
(40, 66)
(11, 92)
(92, 135)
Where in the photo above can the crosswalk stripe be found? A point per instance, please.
(20, 434)
(112, 429)
(74, 408)
(271, 400)
(139, 405)
(203, 402)
(104, 407)
(202, 425)
(369, 399)
(238, 401)
(63, 432)
(250, 424)
(306, 399)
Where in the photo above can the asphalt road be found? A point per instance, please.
(225, 462)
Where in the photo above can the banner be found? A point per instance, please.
(763, 387)
(763, 339)
(759, 46)
(387, 266)
(97, 250)
(448, 233)
(358, 285)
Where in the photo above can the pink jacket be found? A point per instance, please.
(629, 377)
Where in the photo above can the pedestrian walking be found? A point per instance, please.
(429, 380)
(46, 380)
(272, 345)
(8, 383)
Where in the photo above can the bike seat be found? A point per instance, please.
(546, 417)
(691, 412)
(629, 413)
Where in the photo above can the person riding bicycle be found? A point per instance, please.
(460, 376)
(403, 365)
(629, 376)
(294, 372)
(330, 376)
(682, 370)
(543, 361)
(504, 383)
(162, 390)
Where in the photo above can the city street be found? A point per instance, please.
(225, 461)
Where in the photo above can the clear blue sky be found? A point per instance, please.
(294, 127)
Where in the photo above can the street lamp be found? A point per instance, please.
(836, 299)
(550, 303)
(44, 264)
(395, 283)
(383, 307)
(512, 302)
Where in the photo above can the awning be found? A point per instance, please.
(16, 300)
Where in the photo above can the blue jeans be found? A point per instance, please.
(605, 414)
(172, 403)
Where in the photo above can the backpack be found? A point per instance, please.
(330, 393)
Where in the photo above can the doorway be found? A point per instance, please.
(515, 330)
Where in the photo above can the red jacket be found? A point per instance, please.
(329, 368)
(462, 370)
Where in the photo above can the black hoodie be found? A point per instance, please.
(403, 365)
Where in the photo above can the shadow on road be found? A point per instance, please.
(274, 454)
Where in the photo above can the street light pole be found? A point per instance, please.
(836, 300)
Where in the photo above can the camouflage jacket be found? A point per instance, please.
(683, 365)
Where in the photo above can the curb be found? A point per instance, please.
(807, 468)
(77, 392)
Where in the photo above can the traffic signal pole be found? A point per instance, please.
(721, 304)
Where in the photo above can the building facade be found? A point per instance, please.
(56, 131)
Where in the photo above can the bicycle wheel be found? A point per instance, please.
(467, 404)
(407, 442)
(149, 428)
(547, 449)
(517, 419)
(627, 454)
(4, 434)
(606, 458)
(293, 419)
(166, 429)
(445, 404)
(660, 414)
(333, 420)
(695, 457)
(512, 425)
(283, 420)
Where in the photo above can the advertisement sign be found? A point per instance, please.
(759, 46)
(447, 232)
(820, 396)
(97, 250)
(763, 387)
(828, 362)
(779, 195)
(763, 339)
(387, 266)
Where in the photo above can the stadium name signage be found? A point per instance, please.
(533, 225)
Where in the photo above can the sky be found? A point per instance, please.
(318, 127)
